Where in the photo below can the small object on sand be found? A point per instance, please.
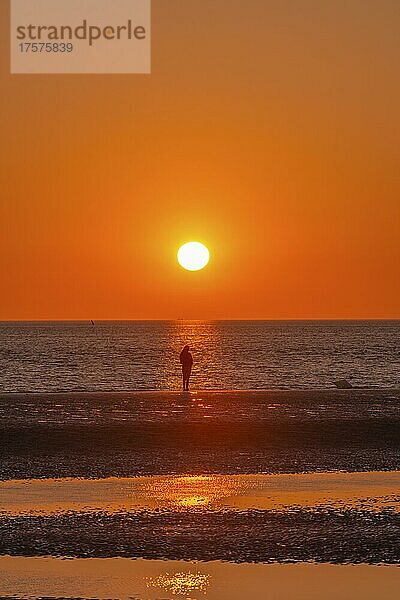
(343, 384)
(92, 322)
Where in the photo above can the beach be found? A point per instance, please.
(153, 433)
(215, 478)
(326, 517)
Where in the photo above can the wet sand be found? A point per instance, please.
(331, 517)
(141, 433)
(151, 580)
(202, 514)
(336, 536)
(216, 405)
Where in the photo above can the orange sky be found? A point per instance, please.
(268, 130)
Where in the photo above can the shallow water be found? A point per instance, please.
(154, 580)
(369, 491)
(128, 355)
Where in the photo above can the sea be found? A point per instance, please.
(55, 356)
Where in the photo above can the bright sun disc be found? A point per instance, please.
(193, 256)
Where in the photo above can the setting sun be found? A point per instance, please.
(193, 256)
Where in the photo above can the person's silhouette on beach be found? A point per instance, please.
(186, 360)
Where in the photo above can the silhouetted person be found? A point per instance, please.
(186, 362)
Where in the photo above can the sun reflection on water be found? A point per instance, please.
(194, 501)
(180, 583)
(193, 491)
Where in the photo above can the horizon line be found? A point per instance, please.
(260, 319)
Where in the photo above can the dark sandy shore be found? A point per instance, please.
(140, 433)
(346, 536)
(131, 434)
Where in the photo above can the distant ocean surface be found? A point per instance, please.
(144, 355)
